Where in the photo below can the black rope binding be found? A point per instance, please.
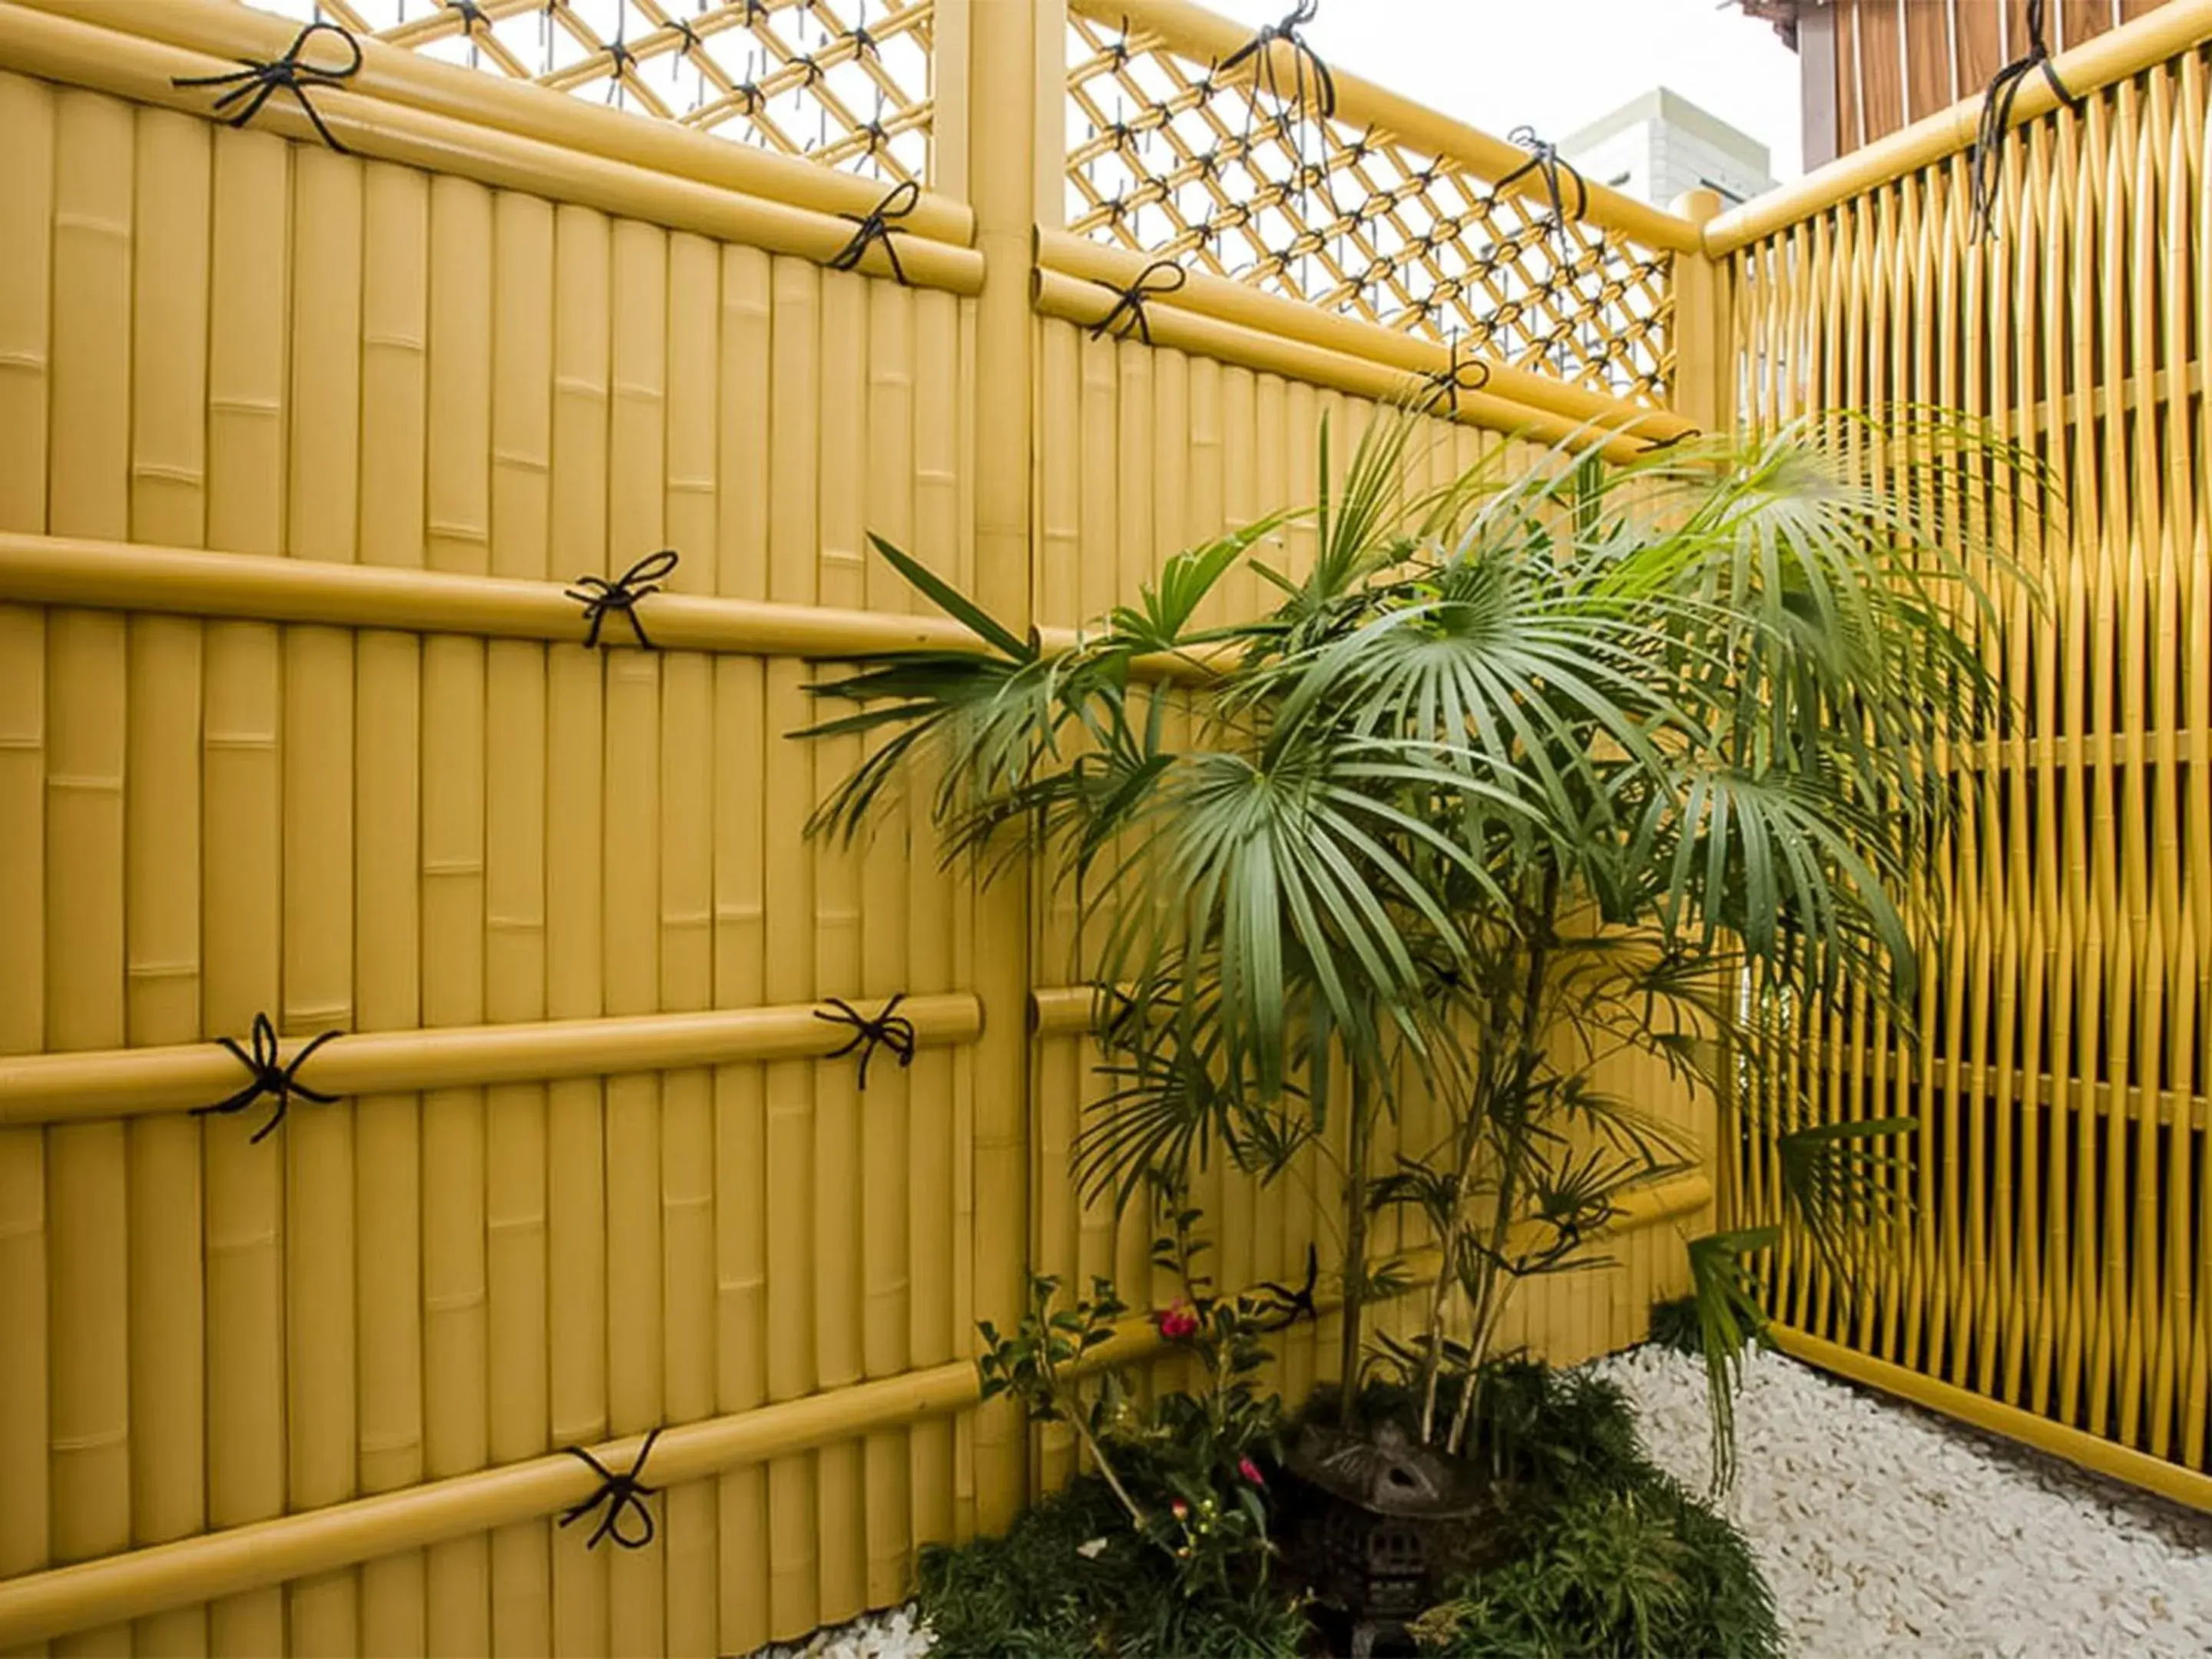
(1283, 1306)
(1656, 446)
(875, 227)
(279, 1082)
(1444, 385)
(889, 1029)
(620, 1493)
(1129, 302)
(601, 596)
(257, 82)
(1310, 78)
(1987, 159)
(1544, 162)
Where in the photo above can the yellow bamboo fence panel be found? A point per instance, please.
(300, 452)
(2049, 1276)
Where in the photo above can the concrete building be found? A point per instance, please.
(1655, 147)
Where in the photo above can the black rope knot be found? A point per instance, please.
(686, 33)
(1544, 162)
(1996, 120)
(279, 1082)
(620, 58)
(600, 596)
(472, 15)
(863, 41)
(1281, 1307)
(621, 1493)
(1444, 385)
(1129, 302)
(251, 86)
(887, 1028)
(875, 227)
(1309, 74)
(1655, 445)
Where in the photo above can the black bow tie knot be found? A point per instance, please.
(623, 1493)
(887, 1029)
(254, 85)
(272, 1078)
(601, 597)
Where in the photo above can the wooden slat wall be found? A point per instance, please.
(1897, 60)
(2057, 1255)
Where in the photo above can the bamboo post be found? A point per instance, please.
(686, 915)
(317, 764)
(457, 525)
(161, 798)
(517, 803)
(27, 132)
(1014, 55)
(576, 1173)
(741, 1174)
(240, 945)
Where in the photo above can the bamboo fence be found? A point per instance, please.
(300, 450)
(2052, 1278)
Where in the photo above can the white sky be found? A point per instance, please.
(1560, 65)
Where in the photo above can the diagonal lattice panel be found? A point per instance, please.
(1167, 158)
(843, 82)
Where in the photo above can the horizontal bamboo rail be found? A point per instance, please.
(399, 75)
(1205, 36)
(134, 66)
(1239, 304)
(80, 1085)
(2089, 1451)
(1073, 299)
(182, 581)
(39, 1607)
(2096, 63)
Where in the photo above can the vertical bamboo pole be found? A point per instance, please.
(839, 1291)
(631, 893)
(161, 799)
(966, 1063)
(87, 1171)
(1012, 132)
(28, 135)
(240, 945)
(687, 939)
(316, 765)
(2196, 1389)
(387, 882)
(794, 435)
(933, 1252)
(575, 1174)
(740, 775)
(891, 893)
(517, 803)
(455, 1336)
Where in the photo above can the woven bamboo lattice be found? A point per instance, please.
(1171, 157)
(843, 82)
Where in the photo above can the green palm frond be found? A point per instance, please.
(1731, 1322)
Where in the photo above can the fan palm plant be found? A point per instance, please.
(1555, 762)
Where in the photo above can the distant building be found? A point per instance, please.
(1657, 146)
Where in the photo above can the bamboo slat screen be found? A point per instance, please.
(2058, 1253)
(843, 82)
(299, 453)
(1170, 157)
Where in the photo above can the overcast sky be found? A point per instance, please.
(1560, 65)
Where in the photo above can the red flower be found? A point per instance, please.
(1180, 1509)
(1251, 1471)
(1178, 1322)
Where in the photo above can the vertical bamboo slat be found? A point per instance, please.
(26, 130)
(161, 799)
(240, 946)
(317, 764)
(516, 810)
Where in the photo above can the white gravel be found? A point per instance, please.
(1882, 1530)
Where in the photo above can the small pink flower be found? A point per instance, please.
(1251, 1471)
(1178, 1322)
